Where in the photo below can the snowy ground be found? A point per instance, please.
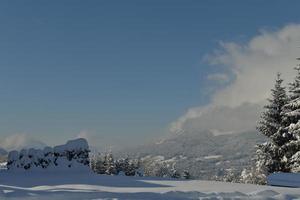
(60, 185)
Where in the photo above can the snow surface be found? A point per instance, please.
(63, 186)
(213, 157)
(3, 166)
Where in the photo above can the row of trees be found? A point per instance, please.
(148, 166)
(106, 164)
(72, 155)
(280, 123)
(157, 166)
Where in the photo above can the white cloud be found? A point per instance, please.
(19, 141)
(219, 119)
(84, 134)
(253, 66)
(96, 141)
(218, 77)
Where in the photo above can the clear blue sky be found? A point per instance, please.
(122, 70)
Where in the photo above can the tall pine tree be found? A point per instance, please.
(292, 108)
(281, 124)
(291, 132)
(272, 118)
(268, 156)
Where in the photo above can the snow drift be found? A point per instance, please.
(64, 185)
(72, 155)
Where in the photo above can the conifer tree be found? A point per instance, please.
(291, 132)
(174, 172)
(100, 163)
(186, 174)
(272, 118)
(268, 156)
(110, 165)
(292, 108)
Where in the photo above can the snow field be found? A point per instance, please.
(64, 185)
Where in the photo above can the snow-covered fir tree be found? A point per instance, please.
(121, 165)
(268, 158)
(281, 124)
(291, 133)
(132, 167)
(272, 117)
(186, 174)
(231, 175)
(174, 172)
(125, 167)
(101, 164)
(110, 164)
(292, 108)
(93, 161)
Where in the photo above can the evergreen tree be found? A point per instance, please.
(231, 175)
(186, 174)
(99, 163)
(131, 168)
(174, 172)
(127, 167)
(110, 165)
(268, 155)
(291, 132)
(268, 158)
(122, 165)
(281, 123)
(292, 108)
(272, 118)
(93, 162)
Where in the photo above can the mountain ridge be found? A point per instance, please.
(205, 155)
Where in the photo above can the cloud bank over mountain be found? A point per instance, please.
(253, 66)
(19, 141)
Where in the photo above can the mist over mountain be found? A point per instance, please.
(20, 141)
(204, 154)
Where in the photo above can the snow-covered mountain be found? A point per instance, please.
(204, 154)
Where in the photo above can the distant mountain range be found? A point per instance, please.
(15, 144)
(202, 153)
(18, 142)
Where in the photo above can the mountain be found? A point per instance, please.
(204, 154)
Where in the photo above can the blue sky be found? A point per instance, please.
(119, 70)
